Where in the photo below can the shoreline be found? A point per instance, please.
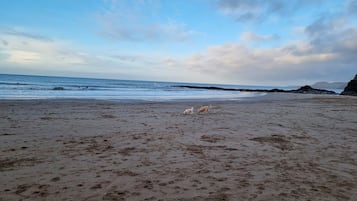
(280, 147)
(259, 97)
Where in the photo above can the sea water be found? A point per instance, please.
(16, 87)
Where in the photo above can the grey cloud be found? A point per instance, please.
(247, 17)
(125, 58)
(328, 53)
(14, 32)
(242, 10)
(328, 36)
(135, 59)
(352, 7)
(345, 44)
(319, 26)
(275, 66)
(4, 42)
(259, 10)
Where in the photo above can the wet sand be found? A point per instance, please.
(281, 147)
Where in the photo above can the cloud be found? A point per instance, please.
(4, 42)
(261, 10)
(24, 48)
(234, 63)
(333, 35)
(125, 58)
(327, 52)
(324, 25)
(170, 32)
(250, 36)
(324, 50)
(21, 33)
(22, 57)
(138, 21)
(352, 7)
(32, 55)
(332, 58)
(251, 10)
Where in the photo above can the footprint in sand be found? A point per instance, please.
(212, 138)
(115, 195)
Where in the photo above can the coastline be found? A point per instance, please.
(274, 147)
(255, 96)
(45, 87)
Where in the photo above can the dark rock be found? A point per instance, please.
(58, 88)
(351, 88)
(309, 90)
(305, 89)
(230, 89)
(276, 90)
(208, 88)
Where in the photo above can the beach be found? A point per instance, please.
(280, 147)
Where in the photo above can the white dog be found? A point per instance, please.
(188, 111)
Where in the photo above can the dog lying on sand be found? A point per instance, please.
(188, 111)
(203, 109)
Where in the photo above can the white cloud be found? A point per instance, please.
(250, 36)
(27, 50)
(22, 57)
(326, 51)
(21, 54)
(300, 62)
(139, 21)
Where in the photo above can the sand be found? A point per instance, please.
(281, 147)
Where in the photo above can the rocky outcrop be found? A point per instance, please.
(309, 90)
(58, 88)
(302, 90)
(351, 88)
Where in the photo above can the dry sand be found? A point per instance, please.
(298, 148)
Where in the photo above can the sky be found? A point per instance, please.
(256, 42)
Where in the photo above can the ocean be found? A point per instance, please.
(20, 87)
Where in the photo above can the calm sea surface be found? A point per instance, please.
(17, 87)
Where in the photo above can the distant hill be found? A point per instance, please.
(329, 85)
